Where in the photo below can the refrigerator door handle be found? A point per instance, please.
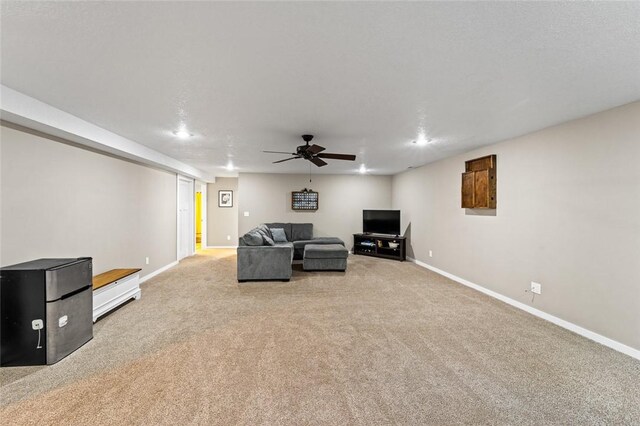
(62, 321)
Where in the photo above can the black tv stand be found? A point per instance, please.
(378, 246)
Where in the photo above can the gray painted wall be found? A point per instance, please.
(267, 198)
(63, 201)
(568, 217)
(222, 221)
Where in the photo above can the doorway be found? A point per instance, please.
(200, 216)
(185, 219)
(198, 220)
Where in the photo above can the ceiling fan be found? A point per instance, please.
(312, 153)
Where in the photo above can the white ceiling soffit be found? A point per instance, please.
(367, 78)
(25, 111)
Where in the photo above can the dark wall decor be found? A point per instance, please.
(225, 198)
(305, 200)
(479, 183)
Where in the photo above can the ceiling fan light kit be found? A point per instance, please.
(312, 153)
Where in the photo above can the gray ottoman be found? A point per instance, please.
(325, 257)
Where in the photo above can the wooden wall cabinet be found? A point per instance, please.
(479, 183)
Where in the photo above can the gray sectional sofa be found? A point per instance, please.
(265, 254)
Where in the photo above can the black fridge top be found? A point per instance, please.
(44, 264)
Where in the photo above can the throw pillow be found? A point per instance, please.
(285, 226)
(278, 235)
(268, 240)
(253, 238)
(264, 230)
(265, 234)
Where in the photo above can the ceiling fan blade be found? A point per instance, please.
(279, 152)
(314, 149)
(349, 157)
(318, 162)
(286, 159)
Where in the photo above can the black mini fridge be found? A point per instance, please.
(46, 310)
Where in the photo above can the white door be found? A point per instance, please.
(186, 231)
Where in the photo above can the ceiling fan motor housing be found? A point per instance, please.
(302, 149)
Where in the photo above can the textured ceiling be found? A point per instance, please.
(365, 78)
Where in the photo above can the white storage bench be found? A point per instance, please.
(113, 288)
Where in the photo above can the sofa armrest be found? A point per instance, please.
(265, 262)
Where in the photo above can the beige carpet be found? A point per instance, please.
(385, 343)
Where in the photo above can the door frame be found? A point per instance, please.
(192, 230)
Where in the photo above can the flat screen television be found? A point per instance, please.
(381, 222)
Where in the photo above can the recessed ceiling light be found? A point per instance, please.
(362, 169)
(182, 134)
(422, 140)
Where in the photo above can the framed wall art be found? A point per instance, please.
(225, 198)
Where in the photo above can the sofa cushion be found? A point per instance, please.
(253, 238)
(268, 241)
(278, 235)
(285, 226)
(301, 231)
(326, 240)
(264, 230)
(266, 234)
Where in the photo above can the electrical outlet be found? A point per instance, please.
(228, 237)
(146, 260)
(536, 288)
(37, 324)
(246, 214)
(430, 253)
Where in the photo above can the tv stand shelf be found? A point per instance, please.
(378, 246)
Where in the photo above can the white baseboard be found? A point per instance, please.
(221, 247)
(620, 347)
(158, 271)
